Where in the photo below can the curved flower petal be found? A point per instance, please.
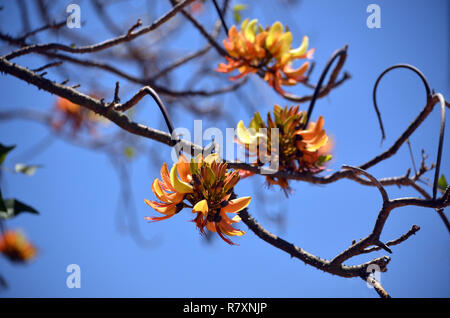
(162, 195)
(229, 230)
(184, 169)
(162, 208)
(320, 140)
(166, 178)
(236, 205)
(274, 32)
(201, 207)
(219, 231)
(250, 30)
(301, 50)
(296, 73)
(178, 185)
(158, 218)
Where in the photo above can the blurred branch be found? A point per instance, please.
(129, 36)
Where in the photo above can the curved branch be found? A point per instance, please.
(441, 142)
(374, 93)
(332, 82)
(147, 90)
(404, 136)
(380, 187)
(339, 53)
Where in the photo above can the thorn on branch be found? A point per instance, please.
(134, 27)
(116, 94)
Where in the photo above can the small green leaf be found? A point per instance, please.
(13, 207)
(237, 12)
(28, 170)
(323, 159)
(4, 151)
(442, 183)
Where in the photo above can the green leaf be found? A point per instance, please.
(13, 207)
(442, 183)
(256, 122)
(194, 167)
(28, 170)
(4, 151)
(237, 12)
(323, 159)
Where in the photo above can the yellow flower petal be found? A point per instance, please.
(274, 32)
(244, 24)
(242, 133)
(301, 50)
(211, 158)
(250, 30)
(285, 44)
(201, 207)
(179, 185)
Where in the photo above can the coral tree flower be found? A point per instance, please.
(72, 114)
(300, 149)
(207, 185)
(254, 49)
(15, 246)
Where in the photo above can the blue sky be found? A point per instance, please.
(78, 191)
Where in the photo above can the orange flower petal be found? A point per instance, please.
(166, 177)
(236, 205)
(162, 208)
(158, 218)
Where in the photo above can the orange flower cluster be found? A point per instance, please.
(78, 117)
(15, 246)
(300, 149)
(207, 185)
(253, 49)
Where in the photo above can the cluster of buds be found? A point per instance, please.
(79, 118)
(205, 185)
(15, 247)
(253, 49)
(300, 149)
